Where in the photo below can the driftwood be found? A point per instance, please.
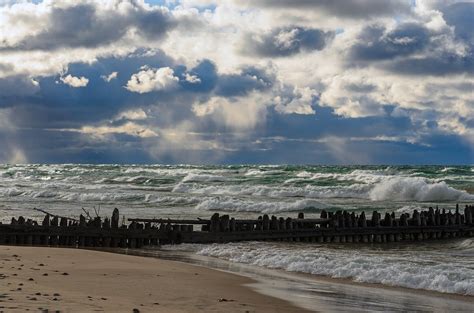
(87, 213)
(55, 215)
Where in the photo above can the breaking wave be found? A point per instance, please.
(401, 268)
(416, 189)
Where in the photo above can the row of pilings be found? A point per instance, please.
(339, 226)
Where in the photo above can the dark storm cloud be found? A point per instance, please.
(83, 26)
(286, 41)
(375, 44)
(206, 71)
(461, 16)
(14, 88)
(409, 49)
(435, 65)
(344, 8)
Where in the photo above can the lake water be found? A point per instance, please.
(248, 191)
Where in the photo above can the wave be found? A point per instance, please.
(391, 189)
(110, 196)
(416, 189)
(237, 205)
(405, 269)
(409, 209)
(191, 177)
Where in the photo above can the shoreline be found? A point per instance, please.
(79, 280)
(191, 259)
(316, 291)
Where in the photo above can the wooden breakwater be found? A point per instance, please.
(330, 227)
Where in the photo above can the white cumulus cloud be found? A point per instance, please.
(110, 77)
(74, 81)
(151, 79)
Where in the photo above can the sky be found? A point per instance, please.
(237, 81)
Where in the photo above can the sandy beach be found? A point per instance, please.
(73, 280)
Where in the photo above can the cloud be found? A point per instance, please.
(237, 80)
(348, 9)
(75, 82)
(110, 77)
(128, 128)
(134, 115)
(193, 79)
(286, 41)
(376, 43)
(460, 15)
(11, 87)
(151, 79)
(351, 9)
(413, 49)
(245, 80)
(434, 65)
(238, 113)
(298, 101)
(68, 24)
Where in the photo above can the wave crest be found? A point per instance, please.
(416, 189)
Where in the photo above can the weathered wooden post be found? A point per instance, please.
(324, 215)
(416, 219)
(132, 241)
(114, 221)
(468, 212)
(362, 220)
(224, 225)
(63, 232)
(232, 225)
(20, 238)
(300, 223)
(266, 222)
(53, 238)
(458, 216)
(274, 225)
(46, 221)
(281, 223)
(11, 239)
(106, 239)
(215, 222)
(375, 219)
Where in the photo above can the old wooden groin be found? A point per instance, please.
(330, 227)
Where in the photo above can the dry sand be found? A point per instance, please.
(74, 280)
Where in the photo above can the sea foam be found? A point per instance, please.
(401, 268)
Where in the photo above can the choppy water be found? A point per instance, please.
(198, 191)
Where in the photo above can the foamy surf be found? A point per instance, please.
(404, 267)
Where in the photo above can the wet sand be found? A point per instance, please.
(75, 280)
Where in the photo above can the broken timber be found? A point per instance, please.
(336, 227)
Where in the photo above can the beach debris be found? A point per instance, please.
(225, 300)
